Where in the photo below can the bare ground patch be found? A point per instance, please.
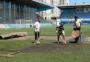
(50, 46)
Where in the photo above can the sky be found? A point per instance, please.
(79, 1)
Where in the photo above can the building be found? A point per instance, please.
(64, 2)
(82, 11)
(20, 11)
(53, 13)
(56, 11)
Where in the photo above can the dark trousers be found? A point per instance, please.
(77, 39)
(37, 35)
(59, 34)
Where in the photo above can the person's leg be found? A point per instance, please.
(58, 36)
(64, 39)
(35, 33)
(38, 36)
(78, 36)
(76, 40)
(63, 35)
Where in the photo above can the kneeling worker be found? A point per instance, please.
(76, 30)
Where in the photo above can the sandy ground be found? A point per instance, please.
(50, 38)
(50, 45)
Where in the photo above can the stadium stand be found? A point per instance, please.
(68, 13)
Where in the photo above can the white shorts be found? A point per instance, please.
(63, 32)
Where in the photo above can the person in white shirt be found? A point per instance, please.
(37, 32)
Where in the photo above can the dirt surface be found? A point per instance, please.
(52, 38)
(45, 48)
(49, 44)
(48, 38)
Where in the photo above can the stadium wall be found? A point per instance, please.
(12, 13)
(23, 25)
(20, 14)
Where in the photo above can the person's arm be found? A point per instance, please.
(56, 29)
(80, 23)
(63, 27)
(75, 25)
(34, 25)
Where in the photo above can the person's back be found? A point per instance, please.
(37, 26)
(77, 24)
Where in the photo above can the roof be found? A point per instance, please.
(42, 6)
(73, 6)
(32, 3)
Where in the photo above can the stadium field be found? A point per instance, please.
(48, 31)
(47, 51)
